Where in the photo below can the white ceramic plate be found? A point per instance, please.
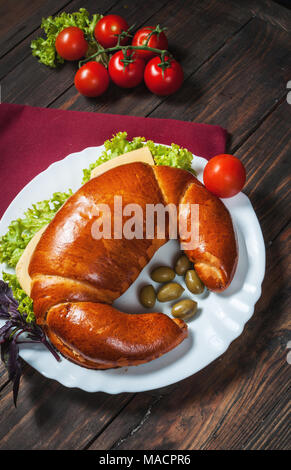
(220, 319)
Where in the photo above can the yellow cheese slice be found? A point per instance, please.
(22, 266)
(140, 155)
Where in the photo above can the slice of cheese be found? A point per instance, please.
(140, 155)
(22, 266)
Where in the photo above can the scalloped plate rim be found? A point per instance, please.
(64, 380)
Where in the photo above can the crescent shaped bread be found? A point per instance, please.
(76, 278)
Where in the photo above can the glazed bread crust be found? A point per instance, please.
(76, 277)
(99, 336)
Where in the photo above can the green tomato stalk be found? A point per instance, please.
(116, 48)
(163, 53)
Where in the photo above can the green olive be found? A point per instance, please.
(163, 274)
(193, 282)
(147, 296)
(184, 309)
(170, 291)
(182, 265)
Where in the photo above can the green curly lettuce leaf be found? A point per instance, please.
(44, 48)
(21, 230)
(174, 155)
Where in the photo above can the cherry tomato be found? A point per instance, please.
(126, 76)
(224, 175)
(92, 79)
(71, 43)
(167, 84)
(157, 40)
(107, 28)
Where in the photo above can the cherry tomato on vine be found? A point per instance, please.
(157, 40)
(108, 27)
(123, 74)
(71, 43)
(224, 175)
(163, 83)
(92, 79)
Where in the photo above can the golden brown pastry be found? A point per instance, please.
(75, 277)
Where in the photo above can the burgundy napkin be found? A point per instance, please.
(32, 138)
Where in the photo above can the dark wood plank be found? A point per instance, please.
(21, 18)
(266, 155)
(50, 416)
(237, 87)
(2, 373)
(269, 11)
(237, 402)
(193, 38)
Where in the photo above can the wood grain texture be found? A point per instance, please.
(236, 61)
(239, 85)
(269, 11)
(25, 18)
(266, 156)
(49, 416)
(238, 402)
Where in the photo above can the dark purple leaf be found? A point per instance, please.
(13, 359)
(4, 331)
(6, 295)
(14, 367)
(5, 352)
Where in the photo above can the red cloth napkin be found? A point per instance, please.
(32, 138)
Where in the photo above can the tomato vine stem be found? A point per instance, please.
(162, 52)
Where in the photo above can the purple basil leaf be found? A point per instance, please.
(14, 368)
(4, 310)
(14, 313)
(4, 331)
(13, 359)
(6, 295)
(9, 343)
(16, 382)
(5, 352)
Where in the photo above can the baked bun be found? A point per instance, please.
(76, 277)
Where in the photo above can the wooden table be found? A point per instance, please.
(236, 58)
